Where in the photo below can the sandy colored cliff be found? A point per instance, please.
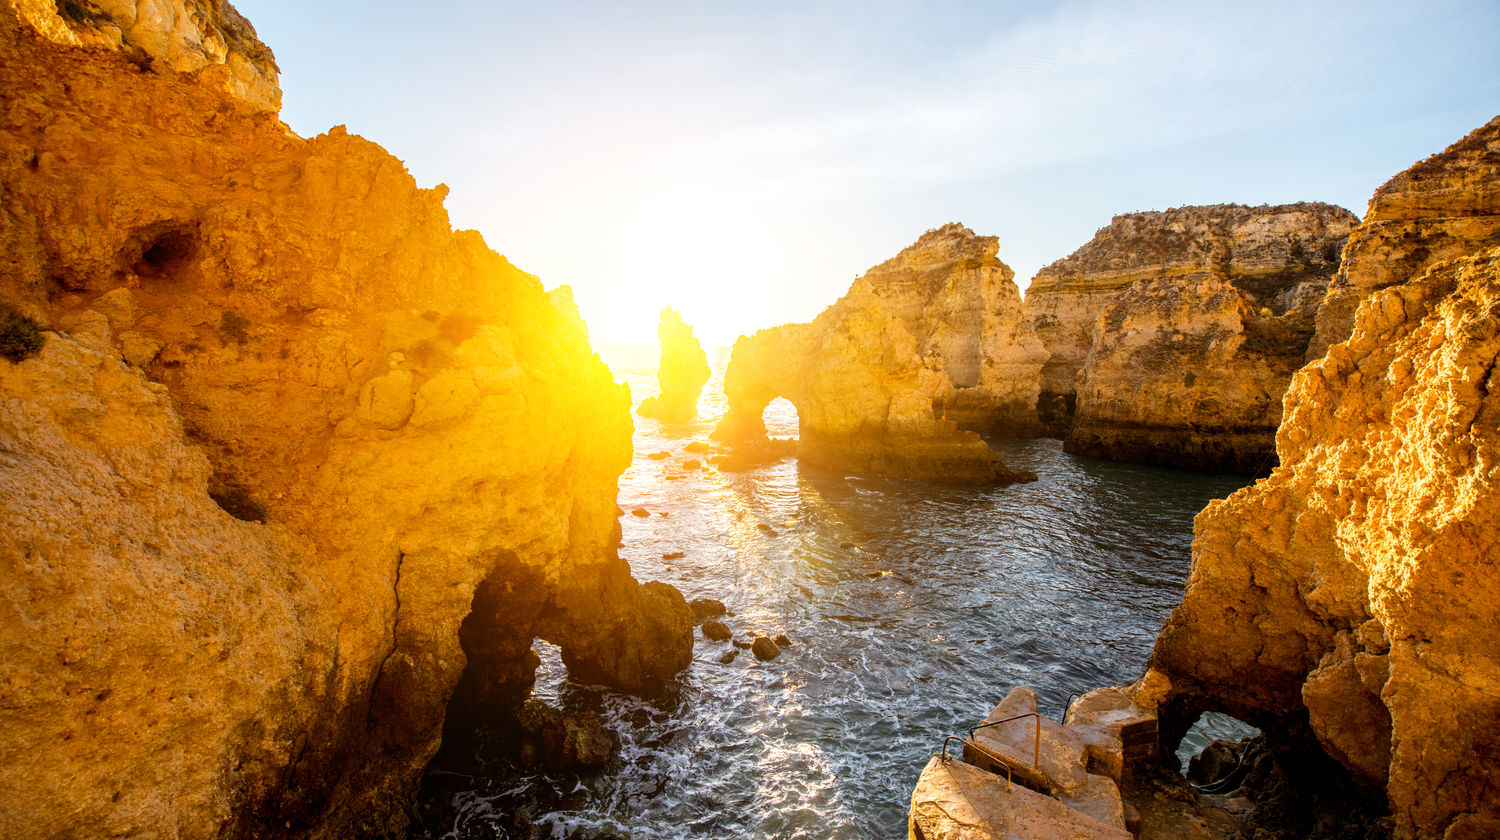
(1352, 596)
(417, 444)
(1174, 334)
(923, 345)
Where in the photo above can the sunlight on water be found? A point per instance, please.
(912, 610)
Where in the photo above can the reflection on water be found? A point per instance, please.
(912, 609)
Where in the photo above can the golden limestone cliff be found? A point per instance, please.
(682, 373)
(1174, 334)
(1444, 207)
(923, 345)
(413, 450)
(1355, 593)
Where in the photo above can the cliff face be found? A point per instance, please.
(1444, 207)
(925, 343)
(682, 373)
(1178, 331)
(1356, 588)
(426, 432)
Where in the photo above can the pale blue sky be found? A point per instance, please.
(744, 162)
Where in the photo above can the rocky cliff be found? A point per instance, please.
(1351, 596)
(923, 345)
(297, 464)
(1444, 207)
(682, 372)
(1174, 334)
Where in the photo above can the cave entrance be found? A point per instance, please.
(1209, 751)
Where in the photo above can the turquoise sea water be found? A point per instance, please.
(912, 610)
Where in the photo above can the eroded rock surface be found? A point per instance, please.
(431, 443)
(924, 344)
(1352, 594)
(682, 372)
(1444, 207)
(1174, 334)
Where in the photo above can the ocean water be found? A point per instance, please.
(912, 610)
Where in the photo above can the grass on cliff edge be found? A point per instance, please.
(20, 337)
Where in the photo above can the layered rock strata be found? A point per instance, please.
(1174, 334)
(682, 372)
(1353, 594)
(297, 465)
(922, 347)
(1444, 207)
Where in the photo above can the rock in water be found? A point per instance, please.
(429, 437)
(1353, 595)
(1176, 333)
(706, 608)
(925, 344)
(716, 630)
(563, 741)
(682, 373)
(764, 649)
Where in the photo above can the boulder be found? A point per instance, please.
(716, 630)
(764, 649)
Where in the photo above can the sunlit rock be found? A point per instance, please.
(425, 431)
(1357, 587)
(1174, 334)
(682, 373)
(924, 344)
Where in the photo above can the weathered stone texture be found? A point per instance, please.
(924, 344)
(1177, 332)
(682, 372)
(426, 431)
(1358, 585)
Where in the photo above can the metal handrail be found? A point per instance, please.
(1068, 705)
(1000, 760)
(1036, 758)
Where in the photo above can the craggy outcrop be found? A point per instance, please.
(1444, 207)
(294, 461)
(1180, 330)
(682, 373)
(1354, 595)
(924, 344)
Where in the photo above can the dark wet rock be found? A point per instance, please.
(767, 528)
(783, 641)
(716, 630)
(729, 655)
(764, 649)
(642, 512)
(674, 555)
(659, 456)
(742, 645)
(847, 545)
(697, 446)
(706, 608)
(692, 464)
(562, 741)
(662, 513)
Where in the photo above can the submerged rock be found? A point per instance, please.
(1176, 333)
(1348, 602)
(682, 373)
(924, 345)
(716, 630)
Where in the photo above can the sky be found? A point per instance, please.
(744, 162)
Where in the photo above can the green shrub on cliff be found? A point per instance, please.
(20, 337)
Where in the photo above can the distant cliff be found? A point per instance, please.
(1174, 334)
(295, 464)
(1354, 595)
(923, 345)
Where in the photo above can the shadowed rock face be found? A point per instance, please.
(1354, 595)
(1174, 334)
(291, 328)
(682, 373)
(924, 344)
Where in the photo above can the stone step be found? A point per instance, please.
(1058, 763)
(956, 801)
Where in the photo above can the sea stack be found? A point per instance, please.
(1352, 596)
(682, 372)
(887, 379)
(295, 465)
(1174, 334)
